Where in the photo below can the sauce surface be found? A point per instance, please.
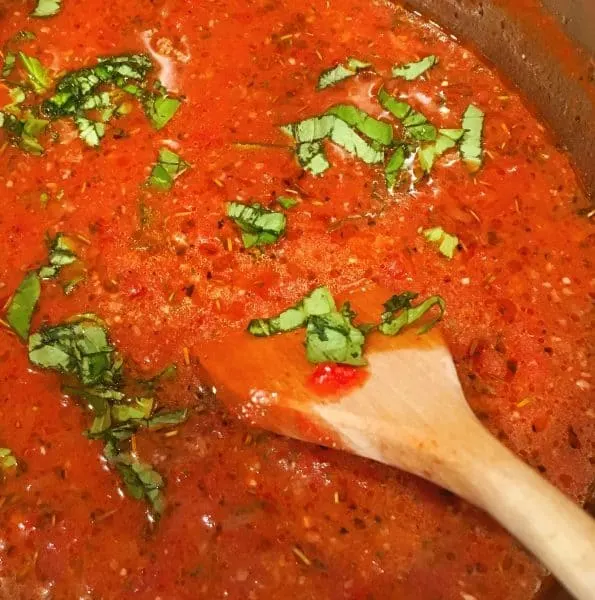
(250, 514)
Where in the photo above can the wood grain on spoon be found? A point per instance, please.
(409, 411)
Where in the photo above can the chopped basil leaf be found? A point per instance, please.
(74, 89)
(311, 130)
(336, 74)
(287, 202)
(259, 225)
(318, 302)
(413, 70)
(46, 8)
(416, 125)
(330, 126)
(344, 136)
(406, 313)
(96, 101)
(312, 157)
(80, 348)
(17, 95)
(471, 143)
(90, 131)
(333, 338)
(7, 459)
(78, 91)
(167, 419)
(447, 139)
(9, 63)
(61, 254)
(32, 128)
(141, 480)
(168, 372)
(446, 242)
(37, 73)
(376, 130)
(139, 408)
(169, 166)
(394, 166)
(23, 304)
(161, 109)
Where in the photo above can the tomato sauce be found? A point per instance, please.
(251, 514)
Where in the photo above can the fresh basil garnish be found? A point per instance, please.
(47, 8)
(312, 157)
(376, 130)
(399, 313)
(80, 348)
(394, 166)
(446, 140)
(287, 202)
(445, 242)
(318, 302)
(61, 254)
(23, 304)
(38, 75)
(471, 142)
(341, 72)
(10, 60)
(332, 337)
(160, 109)
(416, 125)
(260, 226)
(169, 167)
(309, 134)
(413, 70)
(141, 480)
(7, 459)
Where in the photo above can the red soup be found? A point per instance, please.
(171, 170)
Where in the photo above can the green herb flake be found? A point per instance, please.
(394, 167)
(74, 89)
(413, 70)
(287, 202)
(318, 302)
(38, 75)
(446, 140)
(61, 254)
(139, 408)
(341, 72)
(416, 125)
(446, 242)
(80, 348)
(311, 130)
(376, 130)
(47, 8)
(141, 481)
(471, 143)
(90, 131)
(9, 64)
(7, 459)
(169, 167)
(332, 337)
(349, 140)
(260, 226)
(399, 313)
(23, 304)
(312, 157)
(160, 109)
(167, 419)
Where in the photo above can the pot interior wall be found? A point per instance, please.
(528, 43)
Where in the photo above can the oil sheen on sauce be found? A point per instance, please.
(251, 514)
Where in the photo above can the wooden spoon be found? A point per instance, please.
(409, 411)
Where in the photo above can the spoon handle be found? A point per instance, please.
(547, 523)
